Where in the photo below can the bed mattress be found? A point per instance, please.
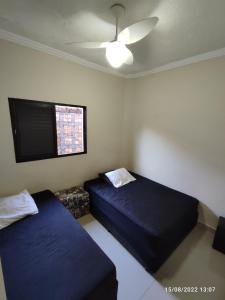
(149, 219)
(49, 256)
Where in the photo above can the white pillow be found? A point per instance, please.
(16, 207)
(119, 177)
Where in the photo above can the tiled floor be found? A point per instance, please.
(2, 287)
(194, 263)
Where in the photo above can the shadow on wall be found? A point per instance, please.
(185, 164)
(196, 140)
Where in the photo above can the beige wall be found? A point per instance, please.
(169, 126)
(30, 74)
(176, 123)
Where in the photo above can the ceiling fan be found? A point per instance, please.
(116, 51)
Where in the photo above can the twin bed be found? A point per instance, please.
(49, 256)
(149, 219)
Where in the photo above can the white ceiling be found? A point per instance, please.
(186, 27)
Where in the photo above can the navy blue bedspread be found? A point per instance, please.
(49, 256)
(148, 218)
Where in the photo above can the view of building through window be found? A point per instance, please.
(70, 130)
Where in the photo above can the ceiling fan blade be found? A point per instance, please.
(89, 45)
(137, 31)
(130, 58)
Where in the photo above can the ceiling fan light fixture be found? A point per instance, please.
(117, 54)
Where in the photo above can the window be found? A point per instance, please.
(69, 124)
(46, 130)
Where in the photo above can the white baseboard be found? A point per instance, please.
(212, 228)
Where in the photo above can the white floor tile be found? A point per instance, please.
(2, 287)
(196, 264)
(193, 263)
(157, 292)
(132, 277)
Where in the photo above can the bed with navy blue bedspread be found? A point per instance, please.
(49, 256)
(149, 219)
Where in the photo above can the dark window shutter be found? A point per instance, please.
(33, 129)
